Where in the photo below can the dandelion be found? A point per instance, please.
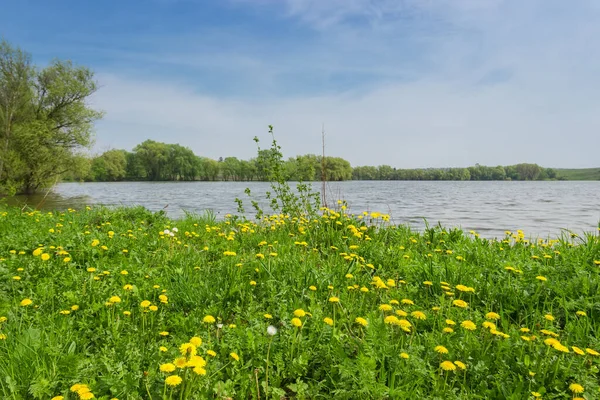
(252, 283)
(536, 394)
(577, 350)
(428, 283)
(235, 356)
(26, 302)
(448, 366)
(313, 288)
(164, 333)
(153, 308)
(180, 362)
(460, 365)
(145, 304)
(549, 317)
(187, 349)
(296, 322)
(492, 316)
(592, 352)
(271, 330)
(361, 321)
(328, 321)
(162, 349)
(407, 302)
(173, 380)
(211, 353)
(447, 330)
(127, 313)
(124, 272)
(581, 314)
(468, 325)
(299, 313)
(541, 278)
(450, 322)
(440, 349)
(419, 315)
(45, 256)
(74, 307)
(334, 299)
(196, 341)
(385, 307)
(209, 319)
(168, 367)
(460, 303)
(576, 388)
(404, 355)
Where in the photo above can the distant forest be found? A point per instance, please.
(156, 161)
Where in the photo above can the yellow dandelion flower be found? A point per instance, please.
(235, 356)
(448, 366)
(313, 288)
(299, 313)
(162, 349)
(361, 321)
(450, 322)
(334, 299)
(211, 353)
(296, 322)
(180, 362)
(440, 349)
(419, 315)
(460, 364)
(577, 350)
(45, 256)
(209, 319)
(145, 304)
(173, 380)
(407, 302)
(541, 278)
(549, 317)
(592, 352)
(581, 313)
(576, 388)
(447, 330)
(26, 302)
(187, 349)
(385, 307)
(492, 316)
(164, 333)
(460, 303)
(196, 341)
(328, 321)
(468, 325)
(168, 367)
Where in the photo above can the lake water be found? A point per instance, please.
(490, 208)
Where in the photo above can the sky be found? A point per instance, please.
(407, 83)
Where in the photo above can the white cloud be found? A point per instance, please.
(453, 83)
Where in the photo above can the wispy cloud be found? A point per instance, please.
(408, 83)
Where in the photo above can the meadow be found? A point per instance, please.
(127, 304)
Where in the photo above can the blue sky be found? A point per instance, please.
(409, 83)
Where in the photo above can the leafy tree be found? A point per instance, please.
(44, 119)
(110, 166)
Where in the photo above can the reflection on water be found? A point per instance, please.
(539, 208)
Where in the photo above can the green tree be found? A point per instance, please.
(110, 166)
(44, 119)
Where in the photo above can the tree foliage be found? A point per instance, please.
(44, 119)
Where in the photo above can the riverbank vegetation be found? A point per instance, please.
(128, 304)
(44, 119)
(156, 161)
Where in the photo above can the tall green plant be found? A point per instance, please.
(302, 201)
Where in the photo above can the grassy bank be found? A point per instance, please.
(580, 174)
(127, 304)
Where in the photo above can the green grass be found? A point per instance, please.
(251, 276)
(579, 174)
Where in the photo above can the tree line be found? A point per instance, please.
(157, 161)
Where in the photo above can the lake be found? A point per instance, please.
(490, 208)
